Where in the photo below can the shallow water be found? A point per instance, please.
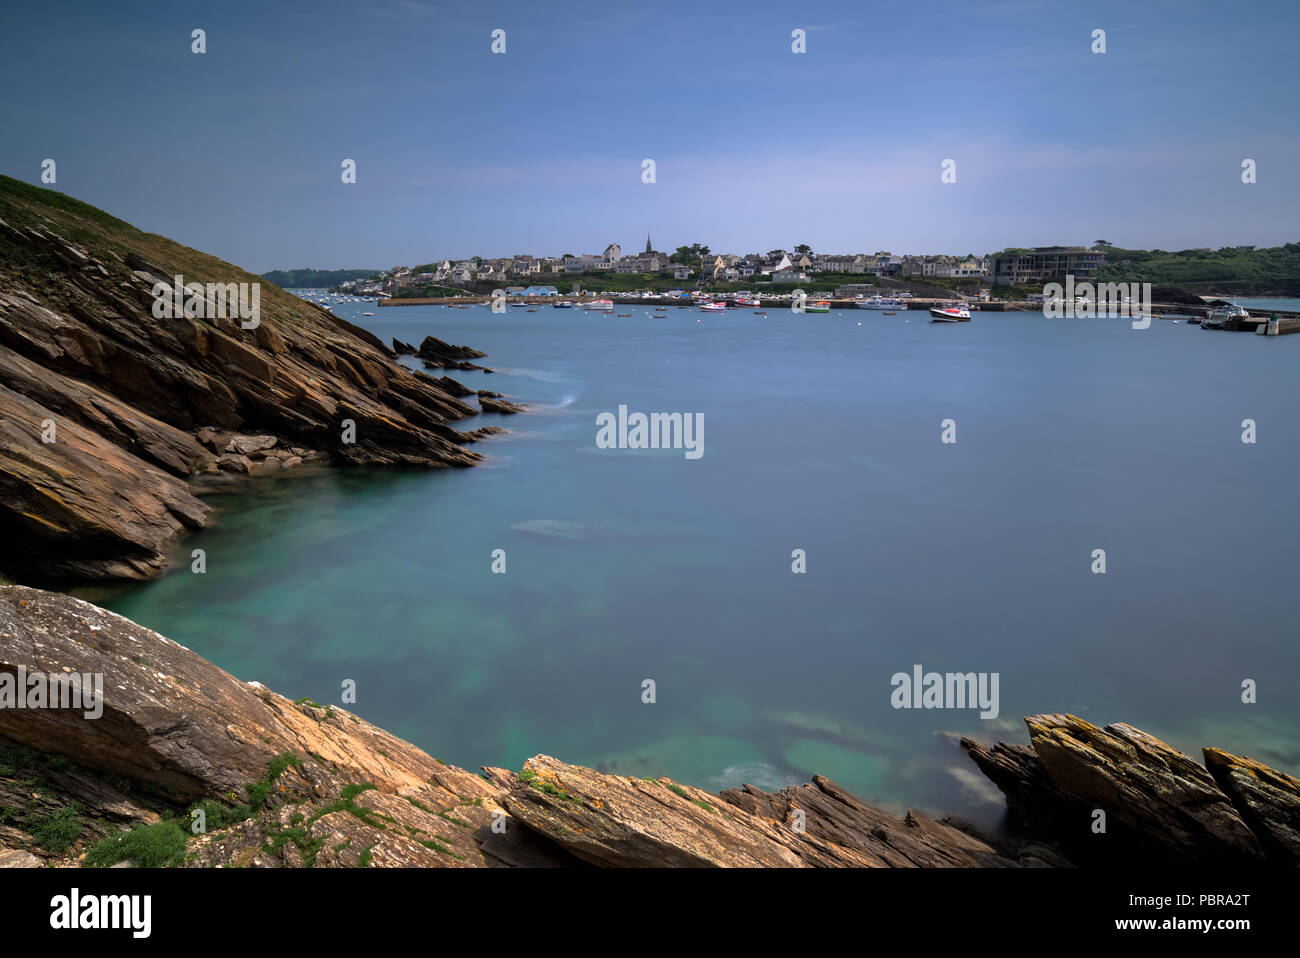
(822, 433)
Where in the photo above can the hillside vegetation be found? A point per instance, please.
(1277, 266)
(307, 278)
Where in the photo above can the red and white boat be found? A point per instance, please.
(602, 305)
(949, 314)
(713, 307)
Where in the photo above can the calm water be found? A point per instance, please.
(1255, 303)
(822, 433)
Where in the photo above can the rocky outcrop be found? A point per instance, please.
(435, 354)
(1268, 801)
(1116, 795)
(451, 387)
(283, 783)
(434, 349)
(614, 821)
(490, 404)
(108, 412)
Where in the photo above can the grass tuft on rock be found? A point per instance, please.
(146, 846)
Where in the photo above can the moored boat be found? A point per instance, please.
(600, 305)
(881, 302)
(562, 305)
(821, 306)
(1221, 315)
(713, 307)
(949, 314)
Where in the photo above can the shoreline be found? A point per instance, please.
(177, 734)
(113, 418)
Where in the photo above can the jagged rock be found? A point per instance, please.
(500, 405)
(1268, 801)
(848, 831)
(435, 354)
(613, 821)
(1160, 805)
(450, 386)
(403, 349)
(434, 349)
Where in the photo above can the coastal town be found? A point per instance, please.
(1069, 280)
(699, 267)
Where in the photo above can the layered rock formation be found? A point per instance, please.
(435, 354)
(285, 783)
(107, 412)
(1153, 803)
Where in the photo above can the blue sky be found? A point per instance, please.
(462, 152)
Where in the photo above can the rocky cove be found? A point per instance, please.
(144, 414)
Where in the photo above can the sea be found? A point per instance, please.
(1096, 535)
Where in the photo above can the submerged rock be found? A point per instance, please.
(555, 528)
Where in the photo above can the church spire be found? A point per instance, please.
(648, 247)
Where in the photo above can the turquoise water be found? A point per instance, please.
(822, 433)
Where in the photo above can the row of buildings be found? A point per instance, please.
(1014, 267)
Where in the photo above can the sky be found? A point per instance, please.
(460, 151)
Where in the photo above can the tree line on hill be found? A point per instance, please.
(315, 278)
